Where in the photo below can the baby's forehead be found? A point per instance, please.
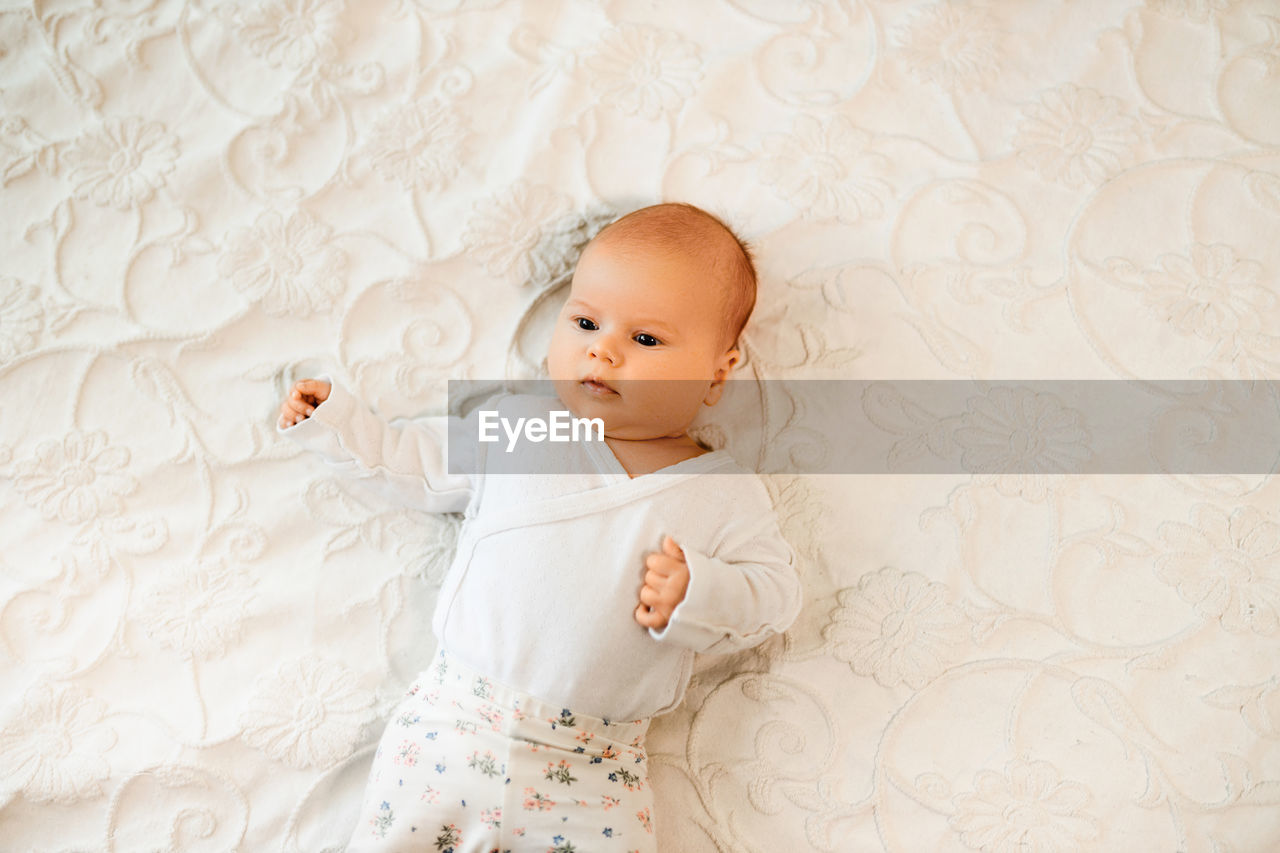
(663, 261)
(711, 258)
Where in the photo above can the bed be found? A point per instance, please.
(204, 632)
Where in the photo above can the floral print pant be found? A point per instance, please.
(468, 765)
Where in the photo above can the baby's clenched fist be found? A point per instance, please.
(666, 579)
(302, 401)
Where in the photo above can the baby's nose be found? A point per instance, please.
(601, 348)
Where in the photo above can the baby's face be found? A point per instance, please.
(639, 315)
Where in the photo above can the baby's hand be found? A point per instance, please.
(302, 401)
(666, 580)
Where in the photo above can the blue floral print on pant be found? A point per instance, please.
(468, 765)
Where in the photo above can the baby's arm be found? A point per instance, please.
(745, 593)
(408, 460)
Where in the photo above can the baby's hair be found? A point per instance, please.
(697, 234)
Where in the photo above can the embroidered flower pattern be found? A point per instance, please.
(1025, 809)
(289, 267)
(1077, 137)
(123, 164)
(1262, 713)
(950, 45)
(77, 479)
(418, 144)
(1213, 294)
(897, 628)
(1257, 704)
(504, 232)
(310, 713)
(1015, 437)
(826, 169)
(21, 318)
(645, 71)
(198, 609)
(53, 750)
(1227, 568)
(291, 33)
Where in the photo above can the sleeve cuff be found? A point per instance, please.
(334, 411)
(682, 629)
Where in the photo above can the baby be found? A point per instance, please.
(575, 604)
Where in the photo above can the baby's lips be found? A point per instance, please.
(598, 385)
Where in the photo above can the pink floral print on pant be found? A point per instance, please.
(467, 765)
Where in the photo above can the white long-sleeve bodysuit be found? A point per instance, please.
(542, 590)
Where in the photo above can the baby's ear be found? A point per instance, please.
(713, 393)
(727, 362)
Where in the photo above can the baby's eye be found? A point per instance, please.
(589, 327)
(644, 340)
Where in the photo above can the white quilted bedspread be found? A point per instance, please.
(203, 632)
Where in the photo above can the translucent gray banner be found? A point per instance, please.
(846, 426)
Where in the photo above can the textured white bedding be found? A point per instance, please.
(203, 632)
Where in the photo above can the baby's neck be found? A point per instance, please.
(643, 456)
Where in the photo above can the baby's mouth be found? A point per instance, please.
(597, 388)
